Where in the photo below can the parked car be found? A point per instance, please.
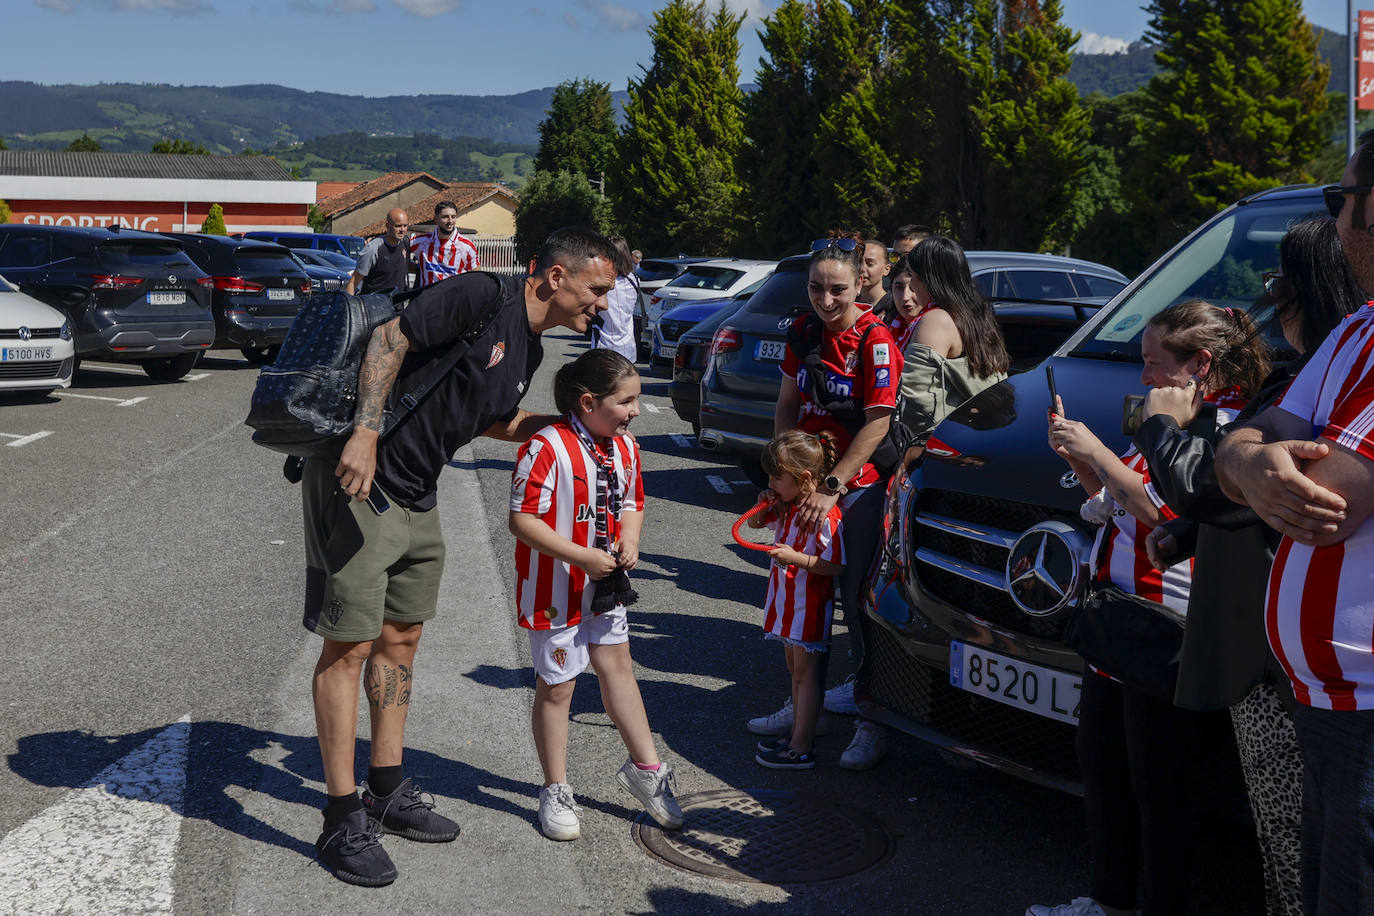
(704, 280)
(325, 276)
(689, 363)
(350, 245)
(741, 383)
(652, 273)
(258, 288)
(322, 258)
(36, 349)
(128, 295)
(962, 650)
(673, 323)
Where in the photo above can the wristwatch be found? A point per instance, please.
(833, 485)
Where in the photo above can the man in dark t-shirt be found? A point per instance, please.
(385, 262)
(373, 566)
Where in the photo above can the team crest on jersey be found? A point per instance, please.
(584, 513)
(498, 353)
(880, 356)
(851, 362)
(560, 657)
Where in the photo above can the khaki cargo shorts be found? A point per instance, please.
(362, 567)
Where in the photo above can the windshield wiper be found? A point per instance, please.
(1116, 356)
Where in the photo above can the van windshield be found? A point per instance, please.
(352, 245)
(1222, 265)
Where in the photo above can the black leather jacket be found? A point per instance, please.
(1225, 647)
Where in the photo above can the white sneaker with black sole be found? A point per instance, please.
(780, 723)
(558, 818)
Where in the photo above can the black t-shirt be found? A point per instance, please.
(485, 387)
(390, 268)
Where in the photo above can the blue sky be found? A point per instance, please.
(396, 47)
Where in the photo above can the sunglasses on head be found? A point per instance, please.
(844, 244)
(1334, 196)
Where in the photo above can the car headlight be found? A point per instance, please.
(317, 285)
(65, 332)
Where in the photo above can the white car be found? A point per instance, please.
(36, 349)
(719, 278)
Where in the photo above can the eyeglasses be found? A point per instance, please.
(895, 257)
(1334, 196)
(1271, 277)
(844, 244)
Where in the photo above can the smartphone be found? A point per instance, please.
(1132, 414)
(1054, 392)
(377, 500)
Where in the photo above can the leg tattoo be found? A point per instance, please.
(387, 686)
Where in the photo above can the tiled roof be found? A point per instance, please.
(371, 190)
(327, 189)
(62, 164)
(462, 194)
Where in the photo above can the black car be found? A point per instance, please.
(1039, 300)
(129, 296)
(326, 276)
(986, 555)
(258, 288)
(690, 337)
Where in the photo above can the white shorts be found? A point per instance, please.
(561, 655)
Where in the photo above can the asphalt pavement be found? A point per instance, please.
(157, 729)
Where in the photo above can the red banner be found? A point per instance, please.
(1364, 53)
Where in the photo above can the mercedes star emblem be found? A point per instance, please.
(1046, 568)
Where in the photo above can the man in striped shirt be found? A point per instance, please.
(1306, 466)
(444, 252)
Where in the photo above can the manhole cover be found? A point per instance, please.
(766, 837)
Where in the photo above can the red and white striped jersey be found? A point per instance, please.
(555, 479)
(1320, 608)
(800, 603)
(1126, 565)
(439, 259)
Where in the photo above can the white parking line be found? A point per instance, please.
(25, 440)
(118, 402)
(718, 483)
(109, 367)
(652, 408)
(197, 377)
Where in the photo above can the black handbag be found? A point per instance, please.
(1135, 640)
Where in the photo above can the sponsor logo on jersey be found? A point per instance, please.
(880, 355)
(498, 353)
(838, 385)
(560, 657)
(801, 378)
(584, 513)
(880, 377)
(520, 387)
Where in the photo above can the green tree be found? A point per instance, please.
(214, 221)
(179, 148)
(552, 200)
(85, 144)
(2, 143)
(315, 219)
(1237, 107)
(4, 211)
(675, 184)
(578, 135)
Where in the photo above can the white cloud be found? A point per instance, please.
(571, 21)
(428, 9)
(754, 10)
(184, 7)
(615, 17)
(330, 7)
(1093, 43)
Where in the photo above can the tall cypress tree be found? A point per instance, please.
(579, 133)
(1237, 108)
(675, 185)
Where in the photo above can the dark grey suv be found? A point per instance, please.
(130, 296)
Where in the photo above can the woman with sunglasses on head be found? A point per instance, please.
(840, 376)
(1226, 661)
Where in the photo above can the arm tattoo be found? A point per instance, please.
(387, 686)
(381, 364)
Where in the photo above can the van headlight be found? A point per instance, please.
(65, 332)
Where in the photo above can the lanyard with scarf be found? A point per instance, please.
(615, 588)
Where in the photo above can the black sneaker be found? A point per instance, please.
(776, 743)
(408, 812)
(352, 851)
(784, 758)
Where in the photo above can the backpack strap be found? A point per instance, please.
(422, 383)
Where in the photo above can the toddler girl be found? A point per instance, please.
(801, 584)
(576, 509)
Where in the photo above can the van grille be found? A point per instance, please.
(29, 371)
(961, 543)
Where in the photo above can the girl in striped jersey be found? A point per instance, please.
(576, 510)
(801, 583)
(1143, 758)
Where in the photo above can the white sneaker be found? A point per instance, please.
(867, 748)
(654, 789)
(776, 723)
(558, 812)
(840, 699)
(1079, 906)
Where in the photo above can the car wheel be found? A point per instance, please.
(170, 368)
(754, 471)
(260, 356)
